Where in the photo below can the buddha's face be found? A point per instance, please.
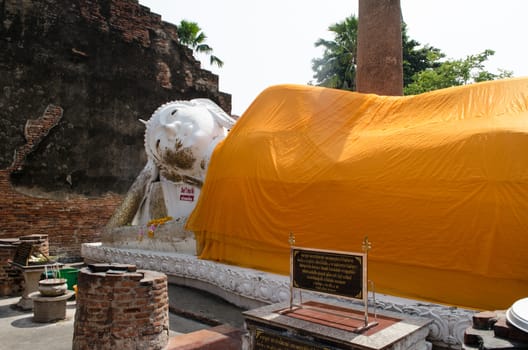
(179, 138)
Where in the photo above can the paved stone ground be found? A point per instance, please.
(191, 310)
(203, 307)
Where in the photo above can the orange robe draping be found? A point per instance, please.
(438, 182)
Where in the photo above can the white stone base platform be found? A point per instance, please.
(250, 288)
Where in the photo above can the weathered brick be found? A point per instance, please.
(140, 319)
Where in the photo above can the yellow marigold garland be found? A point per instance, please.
(160, 221)
(152, 225)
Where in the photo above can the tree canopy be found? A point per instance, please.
(337, 67)
(454, 72)
(192, 36)
(424, 67)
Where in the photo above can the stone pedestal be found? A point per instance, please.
(275, 327)
(31, 280)
(31, 275)
(49, 309)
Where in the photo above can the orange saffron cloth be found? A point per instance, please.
(438, 182)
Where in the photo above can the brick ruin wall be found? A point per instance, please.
(68, 223)
(77, 76)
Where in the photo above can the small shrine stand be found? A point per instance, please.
(337, 321)
(31, 273)
(49, 308)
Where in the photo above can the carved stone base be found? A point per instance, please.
(169, 237)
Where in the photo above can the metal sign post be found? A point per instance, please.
(330, 272)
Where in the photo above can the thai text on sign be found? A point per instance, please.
(187, 194)
(329, 272)
(265, 340)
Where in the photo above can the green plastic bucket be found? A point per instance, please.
(70, 274)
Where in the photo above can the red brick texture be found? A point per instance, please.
(223, 337)
(129, 18)
(34, 131)
(10, 278)
(129, 310)
(69, 222)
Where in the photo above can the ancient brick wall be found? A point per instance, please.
(68, 222)
(76, 77)
(107, 64)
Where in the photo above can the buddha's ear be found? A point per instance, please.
(218, 113)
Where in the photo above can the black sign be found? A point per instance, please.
(271, 341)
(328, 272)
(23, 253)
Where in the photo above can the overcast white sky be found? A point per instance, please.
(269, 42)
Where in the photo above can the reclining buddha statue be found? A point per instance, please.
(179, 140)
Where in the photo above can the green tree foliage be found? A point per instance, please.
(337, 67)
(416, 58)
(453, 73)
(423, 66)
(192, 36)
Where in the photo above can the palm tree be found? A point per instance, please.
(337, 67)
(192, 36)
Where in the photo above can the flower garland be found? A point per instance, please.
(152, 225)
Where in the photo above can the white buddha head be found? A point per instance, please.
(181, 135)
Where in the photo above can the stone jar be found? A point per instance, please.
(53, 287)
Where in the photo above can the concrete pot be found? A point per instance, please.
(53, 287)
